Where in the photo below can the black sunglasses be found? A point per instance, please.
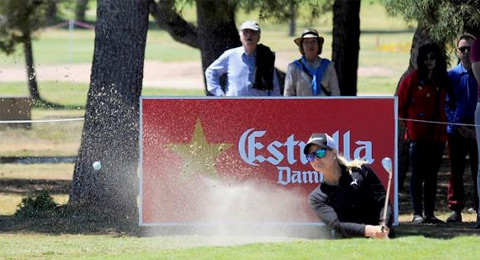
(464, 49)
(430, 57)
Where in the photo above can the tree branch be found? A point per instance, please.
(169, 20)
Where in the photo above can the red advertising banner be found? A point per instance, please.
(240, 160)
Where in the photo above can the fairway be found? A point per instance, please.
(201, 247)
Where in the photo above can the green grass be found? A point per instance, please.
(44, 171)
(189, 247)
(53, 47)
(75, 94)
(65, 93)
(376, 85)
(43, 139)
(10, 201)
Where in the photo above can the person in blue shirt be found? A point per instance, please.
(249, 68)
(460, 109)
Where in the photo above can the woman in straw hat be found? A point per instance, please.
(311, 75)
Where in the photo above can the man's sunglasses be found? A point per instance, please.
(464, 48)
(320, 153)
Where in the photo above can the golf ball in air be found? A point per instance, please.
(97, 165)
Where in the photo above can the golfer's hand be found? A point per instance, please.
(377, 232)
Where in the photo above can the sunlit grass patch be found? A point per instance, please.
(47, 171)
(9, 202)
(400, 47)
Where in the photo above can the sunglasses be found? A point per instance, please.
(430, 57)
(464, 49)
(320, 153)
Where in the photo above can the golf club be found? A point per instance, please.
(387, 165)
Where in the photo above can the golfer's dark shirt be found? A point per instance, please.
(357, 200)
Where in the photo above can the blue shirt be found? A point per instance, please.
(239, 67)
(465, 96)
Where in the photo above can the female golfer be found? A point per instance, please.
(350, 200)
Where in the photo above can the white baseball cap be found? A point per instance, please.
(251, 25)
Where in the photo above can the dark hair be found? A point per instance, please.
(439, 71)
(439, 75)
(465, 36)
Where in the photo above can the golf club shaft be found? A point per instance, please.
(387, 197)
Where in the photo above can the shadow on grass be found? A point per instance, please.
(88, 221)
(440, 231)
(29, 186)
(72, 220)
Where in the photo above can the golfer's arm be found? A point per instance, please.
(330, 218)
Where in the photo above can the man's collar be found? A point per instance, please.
(464, 70)
(243, 51)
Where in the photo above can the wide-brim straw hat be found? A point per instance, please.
(309, 33)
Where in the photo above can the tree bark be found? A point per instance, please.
(111, 127)
(30, 66)
(170, 21)
(346, 44)
(51, 12)
(80, 9)
(292, 25)
(216, 30)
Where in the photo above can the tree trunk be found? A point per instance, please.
(292, 25)
(30, 66)
(111, 127)
(51, 12)
(346, 44)
(80, 9)
(419, 38)
(167, 19)
(217, 31)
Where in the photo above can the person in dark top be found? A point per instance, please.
(421, 106)
(350, 199)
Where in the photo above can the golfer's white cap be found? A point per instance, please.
(322, 140)
(251, 25)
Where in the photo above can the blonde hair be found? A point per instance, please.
(350, 164)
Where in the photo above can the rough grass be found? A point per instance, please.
(75, 94)
(44, 171)
(9, 202)
(200, 247)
